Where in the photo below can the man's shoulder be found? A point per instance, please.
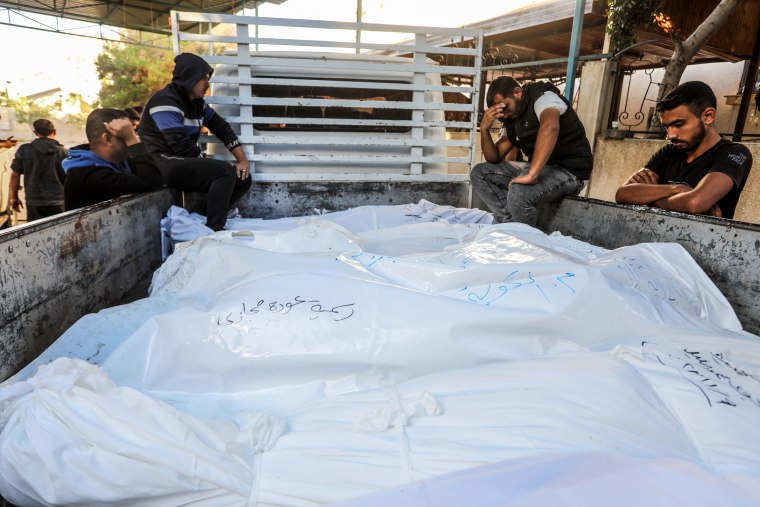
(727, 146)
(736, 153)
(164, 97)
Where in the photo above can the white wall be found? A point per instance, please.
(724, 78)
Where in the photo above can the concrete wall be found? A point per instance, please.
(54, 271)
(616, 159)
(727, 251)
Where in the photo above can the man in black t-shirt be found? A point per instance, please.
(698, 172)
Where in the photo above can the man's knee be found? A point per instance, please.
(479, 171)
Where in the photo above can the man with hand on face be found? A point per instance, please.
(698, 172)
(539, 121)
(114, 163)
(170, 127)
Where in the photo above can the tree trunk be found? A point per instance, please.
(685, 51)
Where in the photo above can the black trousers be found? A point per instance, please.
(37, 212)
(215, 177)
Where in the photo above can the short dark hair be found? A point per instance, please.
(43, 127)
(96, 121)
(132, 113)
(695, 95)
(504, 86)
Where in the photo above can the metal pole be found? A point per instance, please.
(358, 21)
(749, 88)
(575, 47)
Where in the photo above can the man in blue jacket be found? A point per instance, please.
(114, 163)
(170, 127)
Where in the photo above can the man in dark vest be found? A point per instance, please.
(541, 123)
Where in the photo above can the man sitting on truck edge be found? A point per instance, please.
(538, 120)
(40, 163)
(114, 163)
(698, 172)
(171, 125)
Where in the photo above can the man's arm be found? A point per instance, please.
(701, 199)
(242, 166)
(493, 152)
(546, 139)
(170, 121)
(643, 188)
(13, 201)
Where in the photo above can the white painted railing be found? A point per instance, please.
(318, 110)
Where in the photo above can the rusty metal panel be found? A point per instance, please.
(54, 271)
(728, 251)
(298, 198)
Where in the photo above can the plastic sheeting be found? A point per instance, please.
(310, 363)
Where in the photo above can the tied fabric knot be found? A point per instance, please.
(397, 413)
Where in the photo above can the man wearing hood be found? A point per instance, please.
(40, 163)
(170, 128)
(114, 163)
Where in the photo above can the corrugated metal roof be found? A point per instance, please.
(133, 14)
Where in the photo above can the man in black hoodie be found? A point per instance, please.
(170, 127)
(40, 163)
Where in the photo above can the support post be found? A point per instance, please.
(575, 46)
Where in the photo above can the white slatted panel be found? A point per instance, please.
(314, 107)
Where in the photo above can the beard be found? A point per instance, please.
(696, 139)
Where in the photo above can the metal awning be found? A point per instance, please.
(136, 15)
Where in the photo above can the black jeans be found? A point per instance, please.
(37, 212)
(215, 177)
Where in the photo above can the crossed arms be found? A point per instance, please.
(643, 188)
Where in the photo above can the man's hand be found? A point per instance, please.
(243, 169)
(490, 115)
(8, 143)
(524, 179)
(715, 212)
(121, 128)
(15, 204)
(644, 175)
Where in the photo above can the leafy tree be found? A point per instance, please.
(625, 16)
(131, 73)
(27, 110)
(79, 118)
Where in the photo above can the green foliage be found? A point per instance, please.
(27, 110)
(80, 117)
(625, 16)
(130, 74)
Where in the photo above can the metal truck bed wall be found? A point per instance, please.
(54, 271)
(728, 251)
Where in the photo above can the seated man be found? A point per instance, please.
(698, 172)
(114, 163)
(171, 125)
(539, 121)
